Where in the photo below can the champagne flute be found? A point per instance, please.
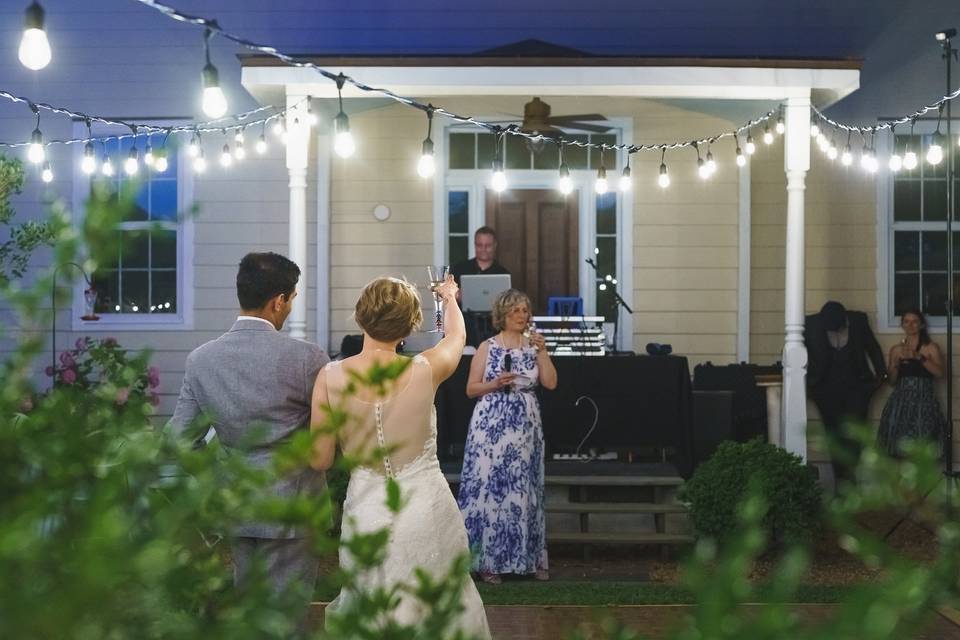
(528, 334)
(437, 274)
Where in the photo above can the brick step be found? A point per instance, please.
(599, 481)
(623, 537)
(614, 507)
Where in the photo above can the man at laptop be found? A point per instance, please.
(484, 262)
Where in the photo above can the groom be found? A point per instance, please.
(256, 380)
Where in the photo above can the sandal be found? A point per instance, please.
(490, 578)
(542, 575)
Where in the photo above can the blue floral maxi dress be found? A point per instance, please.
(501, 485)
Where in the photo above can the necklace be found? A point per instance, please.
(503, 342)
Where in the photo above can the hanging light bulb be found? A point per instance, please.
(214, 102)
(279, 128)
(34, 50)
(664, 178)
(750, 147)
(499, 180)
(261, 145)
(832, 151)
(160, 161)
(106, 167)
(426, 165)
(909, 160)
(814, 131)
(780, 128)
(132, 164)
(935, 151)
(741, 159)
(312, 118)
(711, 164)
(626, 180)
(896, 162)
(226, 158)
(767, 135)
(35, 151)
(343, 142)
(601, 186)
(200, 162)
(89, 162)
(702, 169)
(239, 137)
(239, 152)
(148, 157)
(868, 161)
(846, 159)
(566, 183)
(47, 174)
(193, 148)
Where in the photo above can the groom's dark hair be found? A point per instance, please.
(263, 276)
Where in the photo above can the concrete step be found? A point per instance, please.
(623, 537)
(599, 481)
(614, 507)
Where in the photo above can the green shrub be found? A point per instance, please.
(721, 484)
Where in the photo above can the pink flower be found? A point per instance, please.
(153, 377)
(123, 395)
(155, 399)
(66, 359)
(69, 376)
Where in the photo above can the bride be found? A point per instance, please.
(399, 418)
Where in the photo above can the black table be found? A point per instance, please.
(642, 402)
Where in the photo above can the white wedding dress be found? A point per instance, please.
(428, 532)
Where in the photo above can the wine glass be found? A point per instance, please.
(437, 273)
(528, 334)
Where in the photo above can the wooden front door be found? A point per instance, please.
(538, 237)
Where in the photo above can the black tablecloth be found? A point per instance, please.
(642, 401)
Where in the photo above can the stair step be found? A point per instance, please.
(638, 537)
(615, 507)
(599, 481)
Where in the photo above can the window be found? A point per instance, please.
(917, 238)
(474, 150)
(144, 284)
(458, 226)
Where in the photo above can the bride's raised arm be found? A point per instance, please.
(445, 355)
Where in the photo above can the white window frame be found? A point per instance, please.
(113, 322)
(887, 321)
(474, 181)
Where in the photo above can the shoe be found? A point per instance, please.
(490, 578)
(542, 575)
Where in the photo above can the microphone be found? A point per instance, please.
(507, 366)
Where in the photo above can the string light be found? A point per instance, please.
(160, 163)
(279, 128)
(601, 186)
(814, 130)
(148, 157)
(664, 178)
(711, 164)
(343, 142)
(702, 170)
(426, 165)
(34, 52)
(767, 136)
(193, 148)
(565, 185)
(106, 168)
(780, 126)
(47, 174)
(741, 159)
(226, 158)
(36, 152)
(132, 164)
(750, 147)
(896, 162)
(261, 145)
(239, 152)
(89, 162)
(498, 181)
(626, 180)
(312, 118)
(214, 102)
(935, 151)
(200, 162)
(847, 158)
(832, 150)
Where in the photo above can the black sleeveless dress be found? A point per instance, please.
(912, 411)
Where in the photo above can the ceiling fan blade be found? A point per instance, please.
(582, 117)
(579, 126)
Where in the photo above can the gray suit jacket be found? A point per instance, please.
(254, 379)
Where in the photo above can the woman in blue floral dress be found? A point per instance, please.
(501, 485)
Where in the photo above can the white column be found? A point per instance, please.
(796, 164)
(298, 147)
(324, 146)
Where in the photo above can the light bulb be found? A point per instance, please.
(832, 151)
(814, 131)
(565, 185)
(200, 163)
(909, 161)
(47, 174)
(935, 153)
(343, 142)
(426, 165)
(89, 162)
(238, 136)
(34, 50)
(711, 164)
(312, 118)
(35, 152)
(626, 180)
(148, 157)
(603, 286)
(132, 164)
(226, 159)
(864, 159)
(750, 147)
(106, 168)
(261, 145)
(193, 149)
(664, 178)
(767, 136)
(780, 126)
(214, 102)
(702, 169)
(160, 163)
(499, 180)
(279, 128)
(239, 152)
(741, 159)
(847, 158)
(601, 186)
(895, 163)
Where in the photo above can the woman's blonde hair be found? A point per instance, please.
(388, 309)
(505, 302)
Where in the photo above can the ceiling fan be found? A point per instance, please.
(538, 121)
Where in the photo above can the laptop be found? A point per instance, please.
(477, 292)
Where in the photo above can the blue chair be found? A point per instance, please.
(564, 306)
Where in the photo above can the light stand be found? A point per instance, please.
(949, 53)
(90, 299)
(617, 301)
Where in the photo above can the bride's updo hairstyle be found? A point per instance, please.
(388, 309)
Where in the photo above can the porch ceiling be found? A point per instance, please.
(826, 81)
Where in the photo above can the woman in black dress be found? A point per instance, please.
(912, 411)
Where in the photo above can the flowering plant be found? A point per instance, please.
(105, 367)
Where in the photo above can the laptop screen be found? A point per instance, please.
(477, 292)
